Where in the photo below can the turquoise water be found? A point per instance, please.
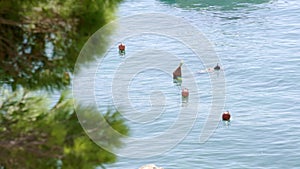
(258, 44)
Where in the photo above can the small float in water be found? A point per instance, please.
(150, 166)
(177, 74)
(122, 49)
(185, 92)
(185, 96)
(226, 116)
(211, 69)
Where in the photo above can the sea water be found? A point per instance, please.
(258, 45)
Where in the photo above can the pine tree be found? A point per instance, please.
(39, 44)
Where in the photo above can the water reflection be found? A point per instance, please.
(214, 5)
(177, 81)
(226, 123)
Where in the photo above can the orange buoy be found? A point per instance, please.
(226, 116)
(185, 92)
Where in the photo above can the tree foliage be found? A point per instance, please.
(39, 44)
(34, 136)
(41, 39)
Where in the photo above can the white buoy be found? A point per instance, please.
(150, 166)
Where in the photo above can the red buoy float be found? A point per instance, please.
(121, 47)
(185, 92)
(226, 116)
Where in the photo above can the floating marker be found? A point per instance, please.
(122, 49)
(226, 116)
(185, 92)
